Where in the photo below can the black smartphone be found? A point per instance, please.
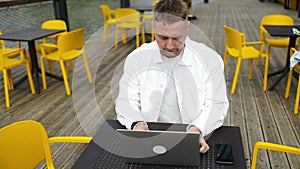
(223, 154)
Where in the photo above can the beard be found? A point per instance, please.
(170, 53)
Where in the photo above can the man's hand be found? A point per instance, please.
(140, 126)
(204, 146)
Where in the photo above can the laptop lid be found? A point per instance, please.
(159, 147)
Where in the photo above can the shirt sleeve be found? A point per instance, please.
(214, 110)
(127, 103)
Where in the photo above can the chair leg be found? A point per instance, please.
(124, 35)
(6, 81)
(269, 50)
(266, 73)
(31, 84)
(65, 76)
(71, 65)
(225, 59)
(51, 66)
(137, 37)
(236, 75)
(116, 37)
(288, 84)
(27, 54)
(104, 33)
(43, 73)
(143, 34)
(10, 81)
(108, 31)
(87, 69)
(152, 32)
(297, 97)
(257, 61)
(250, 69)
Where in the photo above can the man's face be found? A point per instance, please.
(170, 38)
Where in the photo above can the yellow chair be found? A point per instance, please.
(108, 20)
(8, 63)
(274, 19)
(128, 18)
(51, 24)
(69, 47)
(237, 47)
(288, 85)
(10, 53)
(149, 16)
(25, 144)
(273, 147)
(52, 39)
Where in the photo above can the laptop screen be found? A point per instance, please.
(159, 147)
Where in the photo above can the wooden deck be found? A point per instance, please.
(262, 116)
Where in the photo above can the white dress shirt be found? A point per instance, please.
(199, 83)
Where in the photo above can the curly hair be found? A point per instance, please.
(170, 11)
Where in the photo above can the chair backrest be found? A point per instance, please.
(274, 19)
(105, 12)
(23, 145)
(234, 40)
(71, 40)
(54, 24)
(127, 15)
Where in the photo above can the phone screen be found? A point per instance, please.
(223, 153)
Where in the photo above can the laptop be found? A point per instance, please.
(159, 147)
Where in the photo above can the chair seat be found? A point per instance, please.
(110, 21)
(246, 52)
(70, 55)
(65, 56)
(282, 42)
(249, 52)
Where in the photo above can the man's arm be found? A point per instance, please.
(127, 102)
(214, 110)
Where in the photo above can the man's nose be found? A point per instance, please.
(170, 44)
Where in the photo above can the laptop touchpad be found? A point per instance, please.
(158, 149)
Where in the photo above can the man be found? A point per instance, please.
(173, 79)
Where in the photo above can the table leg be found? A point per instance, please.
(286, 68)
(35, 67)
(284, 73)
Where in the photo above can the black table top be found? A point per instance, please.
(29, 34)
(96, 156)
(286, 31)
